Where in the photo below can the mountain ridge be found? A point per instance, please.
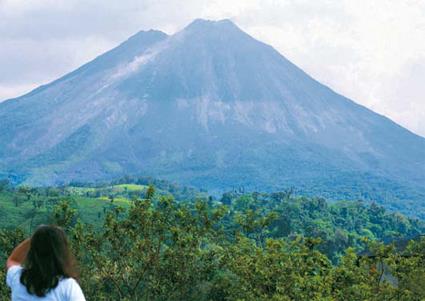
(212, 107)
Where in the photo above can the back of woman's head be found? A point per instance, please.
(48, 259)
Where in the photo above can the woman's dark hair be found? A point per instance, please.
(49, 258)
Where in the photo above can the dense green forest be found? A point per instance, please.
(144, 239)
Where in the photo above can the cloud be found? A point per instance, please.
(370, 51)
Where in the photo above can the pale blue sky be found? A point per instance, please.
(370, 51)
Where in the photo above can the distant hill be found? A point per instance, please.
(213, 108)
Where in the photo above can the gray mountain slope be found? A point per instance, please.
(212, 107)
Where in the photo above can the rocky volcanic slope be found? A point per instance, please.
(211, 107)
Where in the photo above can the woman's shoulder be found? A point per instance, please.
(68, 282)
(71, 289)
(13, 273)
(14, 269)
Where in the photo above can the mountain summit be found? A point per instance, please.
(212, 107)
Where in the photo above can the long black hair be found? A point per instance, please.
(49, 258)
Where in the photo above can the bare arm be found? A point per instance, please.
(19, 254)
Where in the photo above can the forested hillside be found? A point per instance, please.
(151, 240)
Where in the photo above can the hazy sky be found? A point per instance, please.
(370, 51)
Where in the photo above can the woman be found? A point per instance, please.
(43, 268)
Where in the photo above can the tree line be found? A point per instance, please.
(255, 246)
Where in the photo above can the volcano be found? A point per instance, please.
(214, 108)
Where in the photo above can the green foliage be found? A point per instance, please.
(9, 239)
(339, 225)
(254, 247)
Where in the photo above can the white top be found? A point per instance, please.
(66, 290)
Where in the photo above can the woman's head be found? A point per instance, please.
(48, 259)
